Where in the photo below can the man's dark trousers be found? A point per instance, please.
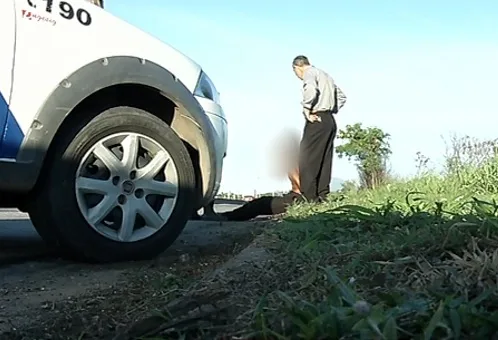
(315, 157)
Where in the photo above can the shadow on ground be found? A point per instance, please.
(55, 293)
(415, 263)
(410, 262)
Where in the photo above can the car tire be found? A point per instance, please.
(56, 210)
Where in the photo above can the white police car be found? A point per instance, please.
(109, 138)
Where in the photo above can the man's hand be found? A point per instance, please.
(310, 117)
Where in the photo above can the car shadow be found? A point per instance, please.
(20, 242)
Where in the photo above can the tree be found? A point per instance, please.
(369, 149)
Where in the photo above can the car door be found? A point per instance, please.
(8, 148)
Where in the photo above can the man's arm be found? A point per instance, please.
(340, 97)
(310, 91)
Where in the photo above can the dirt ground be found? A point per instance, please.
(55, 299)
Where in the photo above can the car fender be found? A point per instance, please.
(190, 121)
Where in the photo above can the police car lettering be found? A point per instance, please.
(66, 10)
(36, 17)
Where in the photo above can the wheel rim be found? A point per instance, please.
(127, 187)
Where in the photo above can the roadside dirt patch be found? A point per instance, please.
(62, 300)
(224, 303)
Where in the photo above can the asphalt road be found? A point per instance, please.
(32, 277)
(20, 242)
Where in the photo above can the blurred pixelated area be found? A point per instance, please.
(283, 154)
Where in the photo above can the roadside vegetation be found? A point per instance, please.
(385, 258)
(392, 258)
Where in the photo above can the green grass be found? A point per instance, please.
(414, 259)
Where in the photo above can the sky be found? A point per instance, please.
(419, 70)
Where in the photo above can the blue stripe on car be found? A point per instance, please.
(11, 134)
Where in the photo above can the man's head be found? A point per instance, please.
(299, 64)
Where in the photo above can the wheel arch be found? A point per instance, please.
(104, 82)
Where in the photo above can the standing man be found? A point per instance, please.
(321, 99)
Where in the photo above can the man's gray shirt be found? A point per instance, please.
(320, 93)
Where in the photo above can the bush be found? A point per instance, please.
(368, 148)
